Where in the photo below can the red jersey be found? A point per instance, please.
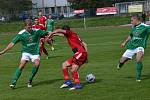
(74, 41)
(42, 20)
(39, 27)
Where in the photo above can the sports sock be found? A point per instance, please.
(16, 76)
(139, 67)
(34, 71)
(75, 76)
(66, 73)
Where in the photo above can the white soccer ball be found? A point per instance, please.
(90, 78)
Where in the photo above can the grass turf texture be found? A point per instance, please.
(76, 23)
(104, 53)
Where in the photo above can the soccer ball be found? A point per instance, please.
(90, 78)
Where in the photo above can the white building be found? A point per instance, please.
(51, 6)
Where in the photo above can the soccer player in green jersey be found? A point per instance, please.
(135, 43)
(30, 40)
(50, 28)
(50, 24)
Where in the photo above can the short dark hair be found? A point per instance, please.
(66, 27)
(35, 18)
(137, 16)
(27, 21)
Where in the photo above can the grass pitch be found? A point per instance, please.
(104, 53)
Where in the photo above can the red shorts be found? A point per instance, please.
(78, 58)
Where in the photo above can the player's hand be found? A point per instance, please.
(123, 44)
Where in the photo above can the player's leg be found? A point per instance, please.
(50, 42)
(78, 60)
(41, 45)
(122, 62)
(65, 66)
(45, 52)
(36, 60)
(75, 75)
(125, 57)
(42, 48)
(139, 65)
(24, 60)
(18, 73)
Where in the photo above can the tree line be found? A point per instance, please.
(86, 4)
(14, 7)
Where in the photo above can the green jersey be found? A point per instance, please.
(139, 36)
(30, 41)
(50, 25)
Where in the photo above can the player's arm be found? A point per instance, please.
(58, 32)
(46, 24)
(10, 45)
(126, 40)
(85, 46)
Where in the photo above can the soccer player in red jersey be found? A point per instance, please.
(37, 25)
(42, 19)
(80, 56)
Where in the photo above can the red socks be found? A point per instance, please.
(66, 74)
(75, 76)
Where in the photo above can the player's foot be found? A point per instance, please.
(138, 80)
(12, 86)
(29, 84)
(66, 84)
(52, 48)
(77, 86)
(118, 67)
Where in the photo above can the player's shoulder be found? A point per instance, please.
(44, 17)
(144, 25)
(22, 31)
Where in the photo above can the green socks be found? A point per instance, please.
(34, 71)
(16, 76)
(139, 67)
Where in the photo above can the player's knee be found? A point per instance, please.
(22, 64)
(64, 65)
(37, 62)
(139, 60)
(21, 67)
(74, 68)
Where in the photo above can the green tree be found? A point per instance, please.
(12, 8)
(86, 4)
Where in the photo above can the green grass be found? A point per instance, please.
(11, 27)
(75, 23)
(96, 21)
(104, 53)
